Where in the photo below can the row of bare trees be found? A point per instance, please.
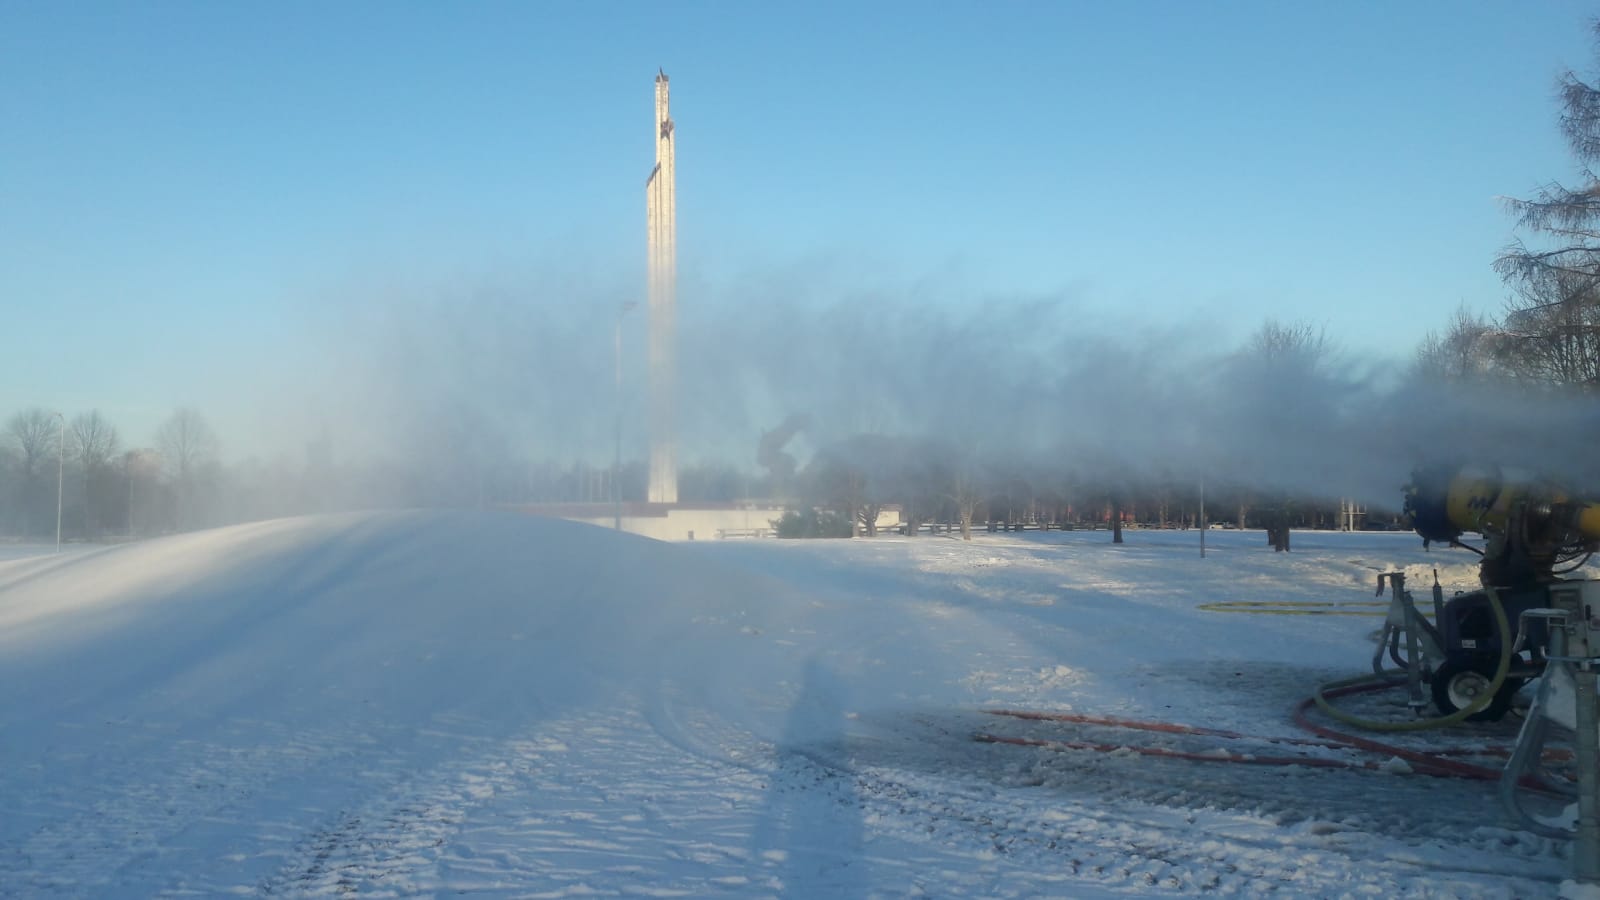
(929, 484)
(79, 470)
(951, 480)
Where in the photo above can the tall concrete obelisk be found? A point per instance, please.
(661, 214)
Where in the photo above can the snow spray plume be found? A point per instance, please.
(1039, 385)
(452, 393)
(475, 385)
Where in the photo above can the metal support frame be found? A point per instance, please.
(1422, 652)
(1586, 854)
(1570, 671)
(1580, 653)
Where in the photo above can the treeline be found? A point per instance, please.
(81, 469)
(77, 475)
(848, 485)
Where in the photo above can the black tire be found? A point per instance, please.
(1462, 678)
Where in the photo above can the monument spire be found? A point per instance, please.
(661, 216)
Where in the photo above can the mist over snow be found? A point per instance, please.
(500, 372)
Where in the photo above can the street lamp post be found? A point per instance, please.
(616, 463)
(61, 468)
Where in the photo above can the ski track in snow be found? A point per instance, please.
(818, 748)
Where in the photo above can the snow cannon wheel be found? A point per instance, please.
(1462, 679)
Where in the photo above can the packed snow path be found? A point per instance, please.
(495, 705)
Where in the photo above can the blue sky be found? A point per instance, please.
(186, 188)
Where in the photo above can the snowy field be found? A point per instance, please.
(493, 705)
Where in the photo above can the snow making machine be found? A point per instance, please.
(1525, 623)
(1533, 533)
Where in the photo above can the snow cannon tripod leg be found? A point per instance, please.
(1571, 660)
(1579, 656)
(1523, 768)
(1404, 619)
(1586, 856)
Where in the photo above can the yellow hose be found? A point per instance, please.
(1459, 715)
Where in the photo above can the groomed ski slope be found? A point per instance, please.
(487, 704)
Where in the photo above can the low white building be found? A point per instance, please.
(684, 521)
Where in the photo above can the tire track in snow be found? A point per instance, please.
(393, 841)
(591, 799)
(1125, 824)
(1428, 828)
(1118, 838)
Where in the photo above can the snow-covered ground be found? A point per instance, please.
(24, 549)
(488, 704)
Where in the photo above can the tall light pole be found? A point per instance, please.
(61, 468)
(616, 460)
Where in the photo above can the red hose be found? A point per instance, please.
(1435, 763)
(1167, 727)
(1247, 759)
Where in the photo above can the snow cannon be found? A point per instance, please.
(1534, 531)
(1532, 526)
(1525, 622)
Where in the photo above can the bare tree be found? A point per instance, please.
(1465, 352)
(187, 443)
(1013, 495)
(839, 483)
(94, 445)
(1551, 331)
(967, 491)
(1295, 345)
(33, 435)
(189, 451)
(1568, 216)
(34, 438)
(1554, 322)
(94, 439)
(920, 475)
(855, 476)
(148, 507)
